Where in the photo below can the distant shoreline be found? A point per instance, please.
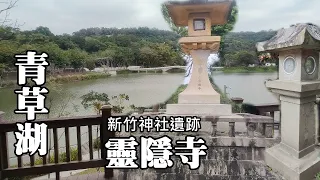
(62, 78)
(249, 69)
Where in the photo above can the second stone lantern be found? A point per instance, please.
(199, 98)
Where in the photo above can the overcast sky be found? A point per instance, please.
(67, 16)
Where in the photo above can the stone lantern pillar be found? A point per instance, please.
(296, 157)
(199, 97)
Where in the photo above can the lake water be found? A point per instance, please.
(143, 90)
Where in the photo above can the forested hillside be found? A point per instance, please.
(122, 47)
(239, 47)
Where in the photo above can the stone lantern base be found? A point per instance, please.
(297, 157)
(199, 98)
(199, 109)
(291, 167)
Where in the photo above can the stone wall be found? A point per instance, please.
(221, 163)
(225, 162)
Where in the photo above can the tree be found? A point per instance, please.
(223, 30)
(7, 33)
(90, 64)
(182, 31)
(76, 57)
(97, 100)
(230, 60)
(4, 11)
(245, 58)
(93, 45)
(7, 51)
(2, 70)
(148, 54)
(57, 57)
(44, 31)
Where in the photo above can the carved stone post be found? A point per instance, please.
(214, 129)
(232, 132)
(269, 130)
(251, 127)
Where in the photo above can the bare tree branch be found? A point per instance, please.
(5, 10)
(10, 5)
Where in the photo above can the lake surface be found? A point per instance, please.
(143, 90)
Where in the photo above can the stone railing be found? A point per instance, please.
(241, 129)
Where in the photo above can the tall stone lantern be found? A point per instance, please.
(297, 156)
(199, 97)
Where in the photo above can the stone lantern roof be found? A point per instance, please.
(304, 35)
(219, 10)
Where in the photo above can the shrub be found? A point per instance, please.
(90, 64)
(125, 71)
(96, 143)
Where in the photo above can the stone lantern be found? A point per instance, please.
(199, 97)
(296, 157)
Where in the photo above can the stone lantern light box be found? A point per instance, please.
(199, 16)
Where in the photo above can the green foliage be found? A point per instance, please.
(96, 143)
(182, 31)
(95, 100)
(39, 161)
(174, 97)
(241, 58)
(76, 77)
(222, 30)
(2, 69)
(124, 71)
(90, 64)
(235, 42)
(119, 106)
(249, 69)
(318, 176)
(106, 46)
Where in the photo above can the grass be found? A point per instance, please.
(249, 69)
(64, 79)
(78, 77)
(176, 70)
(39, 161)
(174, 97)
(126, 71)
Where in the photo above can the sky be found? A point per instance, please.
(67, 16)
